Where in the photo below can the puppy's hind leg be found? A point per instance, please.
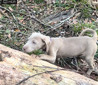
(90, 61)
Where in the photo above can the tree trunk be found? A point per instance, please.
(18, 68)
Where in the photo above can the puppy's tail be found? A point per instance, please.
(90, 30)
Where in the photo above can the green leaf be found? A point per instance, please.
(7, 31)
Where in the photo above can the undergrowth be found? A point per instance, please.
(14, 34)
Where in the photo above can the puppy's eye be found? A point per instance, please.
(34, 42)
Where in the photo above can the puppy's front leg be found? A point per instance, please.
(49, 58)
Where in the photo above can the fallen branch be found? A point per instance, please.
(59, 24)
(56, 15)
(41, 23)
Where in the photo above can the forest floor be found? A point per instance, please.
(65, 19)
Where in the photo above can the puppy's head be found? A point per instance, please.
(36, 41)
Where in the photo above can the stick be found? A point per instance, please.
(9, 12)
(59, 24)
(37, 74)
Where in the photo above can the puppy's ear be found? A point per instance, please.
(46, 39)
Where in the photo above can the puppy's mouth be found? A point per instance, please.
(30, 53)
(36, 52)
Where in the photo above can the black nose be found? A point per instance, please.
(24, 49)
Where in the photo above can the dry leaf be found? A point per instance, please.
(16, 30)
(9, 36)
(93, 19)
(75, 21)
(90, 21)
(86, 20)
(10, 9)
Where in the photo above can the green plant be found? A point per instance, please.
(67, 5)
(79, 26)
(85, 11)
(38, 1)
(96, 55)
(36, 52)
(13, 6)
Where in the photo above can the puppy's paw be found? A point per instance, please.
(41, 55)
(35, 56)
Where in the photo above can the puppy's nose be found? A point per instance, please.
(24, 48)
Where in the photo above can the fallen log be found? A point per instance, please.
(18, 68)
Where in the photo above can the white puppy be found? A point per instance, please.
(82, 46)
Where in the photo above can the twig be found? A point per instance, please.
(59, 14)
(43, 24)
(45, 67)
(14, 18)
(34, 18)
(66, 63)
(25, 6)
(9, 12)
(37, 74)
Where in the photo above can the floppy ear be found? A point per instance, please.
(46, 39)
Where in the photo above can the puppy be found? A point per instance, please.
(82, 46)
